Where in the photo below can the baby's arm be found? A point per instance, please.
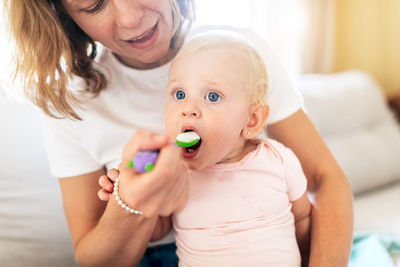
(301, 208)
(163, 226)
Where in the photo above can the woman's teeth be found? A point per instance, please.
(145, 36)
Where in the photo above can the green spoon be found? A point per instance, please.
(187, 139)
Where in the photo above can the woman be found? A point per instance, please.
(122, 91)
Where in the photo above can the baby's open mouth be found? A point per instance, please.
(188, 150)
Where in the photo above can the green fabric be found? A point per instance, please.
(374, 250)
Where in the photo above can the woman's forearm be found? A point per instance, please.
(332, 222)
(103, 234)
(119, 239)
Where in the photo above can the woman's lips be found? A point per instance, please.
(145, 40)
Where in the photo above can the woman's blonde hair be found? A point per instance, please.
(258, 77)
(50, 47)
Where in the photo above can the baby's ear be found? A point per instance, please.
(258, 115)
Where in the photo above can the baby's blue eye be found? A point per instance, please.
(179, 95)
(213, 97)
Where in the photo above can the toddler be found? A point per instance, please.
(247, 203)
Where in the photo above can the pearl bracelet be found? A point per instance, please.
(120, 202)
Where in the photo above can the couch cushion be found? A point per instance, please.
(351, 114)
(377, 211)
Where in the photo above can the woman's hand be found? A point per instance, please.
(157, 194)
(162, 191)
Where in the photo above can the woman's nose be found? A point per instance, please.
(127, 13)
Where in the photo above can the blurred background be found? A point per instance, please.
(311, 36)
(321, 36)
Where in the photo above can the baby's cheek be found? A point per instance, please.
(222, 142)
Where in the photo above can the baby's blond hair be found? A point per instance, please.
(258, 78)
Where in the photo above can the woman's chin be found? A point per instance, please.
(158, 55)
(149, 60)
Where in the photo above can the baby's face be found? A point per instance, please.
(208, 93)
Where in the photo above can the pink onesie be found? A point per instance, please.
(239, 214)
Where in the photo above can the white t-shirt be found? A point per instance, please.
(134, 99)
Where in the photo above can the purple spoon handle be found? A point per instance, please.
(144, 161)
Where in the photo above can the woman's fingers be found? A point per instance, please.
(143, 140)
(176, 196)
(159, 191)
(171, 182)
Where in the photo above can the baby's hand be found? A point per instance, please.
(107, 184)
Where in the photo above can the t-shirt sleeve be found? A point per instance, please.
(65, 149)
(295, 178)
(283, 97)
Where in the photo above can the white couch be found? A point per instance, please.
(348, 109)
(33, 230)
(351, 114)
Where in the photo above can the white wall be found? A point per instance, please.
(5, 53)
(282, 23)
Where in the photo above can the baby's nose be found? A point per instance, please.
(191, 111)
(190, 114)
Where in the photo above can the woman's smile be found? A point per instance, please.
(145, 40)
